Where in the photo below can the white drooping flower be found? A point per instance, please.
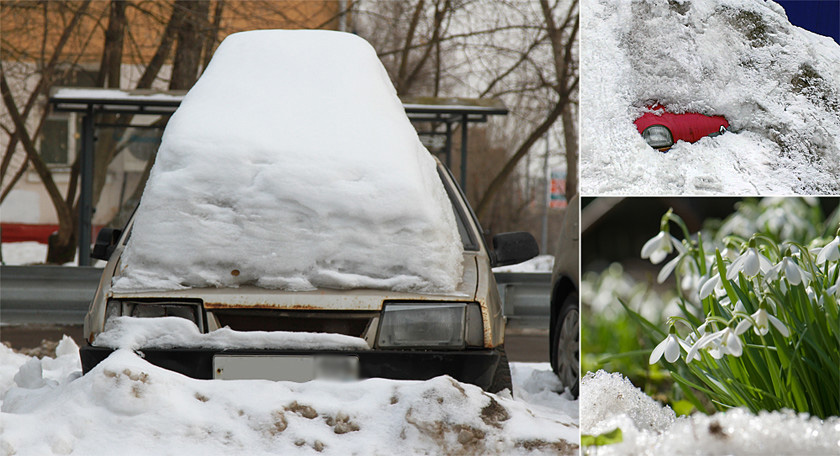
(762, 323)
(831, 251)
(723, 342)
(791, 271)
(713, 284)
(670, 346)
(834, 289)
(739, 306)
(668, 269)
(659, 246)
(750, 263)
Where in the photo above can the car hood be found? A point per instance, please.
(321, 299)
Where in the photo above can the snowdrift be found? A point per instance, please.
(128, 406)
(291, 164)
(609, 401)
(778, 85)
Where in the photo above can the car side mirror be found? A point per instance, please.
(106, 242)
(513, 248)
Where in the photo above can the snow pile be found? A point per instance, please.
(291, 164)
(31, 252)
(128, 406)
(777, 84)
(540, 263)
(169, 332)
(23, 253)
(537, 385)
(609, 401)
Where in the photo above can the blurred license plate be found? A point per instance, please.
(285, 368)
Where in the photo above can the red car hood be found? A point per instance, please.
(689, 126)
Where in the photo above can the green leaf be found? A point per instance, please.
(683, 407)
(607, 438)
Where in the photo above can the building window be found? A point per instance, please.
(55, 141)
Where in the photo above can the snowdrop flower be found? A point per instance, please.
(668, 269)
(762, 323)
(750, 263)
(739, 306)
(723, 342)
(792, 272)
(670, 347)
(729, 253)
(834, 289)
(659, 246)
(812, 295)
(713, 284)
(831, 252)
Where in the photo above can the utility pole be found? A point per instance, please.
(546, 197)
(342, 15)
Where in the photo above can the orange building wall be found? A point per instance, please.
(22, 25)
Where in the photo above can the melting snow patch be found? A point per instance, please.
(128, 406)
(540, 263)
(291, 164)
(775, 83)
(169, 332)
(609, 401)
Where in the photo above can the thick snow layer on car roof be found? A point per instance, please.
(778, 85)
(291, 164)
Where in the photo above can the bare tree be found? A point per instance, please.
(522, 52)
(563, 38)
(64, 206)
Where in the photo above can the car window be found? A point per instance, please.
(468, 237)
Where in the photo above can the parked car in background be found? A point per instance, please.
(564, 328)
(662, 129)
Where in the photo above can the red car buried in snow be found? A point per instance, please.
(662, 129)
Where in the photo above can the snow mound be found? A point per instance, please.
(128, 406)
(291, 164)
(170, 332)
(540, 263)
(609, 401)
(777, 84)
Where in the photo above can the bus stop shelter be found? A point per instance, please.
(440, 116)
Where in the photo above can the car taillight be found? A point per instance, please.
(658, 136)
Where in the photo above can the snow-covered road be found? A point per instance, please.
(128, 406)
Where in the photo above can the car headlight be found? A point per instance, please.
(430, 325)
(658, 136)
(142, 309)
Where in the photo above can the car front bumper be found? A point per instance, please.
(476, 367)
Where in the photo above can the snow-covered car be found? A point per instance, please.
(294, 228)
(564, 327)
(662, 129)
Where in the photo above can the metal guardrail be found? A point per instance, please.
(46, 294)
(61, 295)
(526, 297)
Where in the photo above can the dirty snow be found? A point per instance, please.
(777, 84)
(540, 263)
(291, 164)
(168, 332)
(609, 401)
(128, 406)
